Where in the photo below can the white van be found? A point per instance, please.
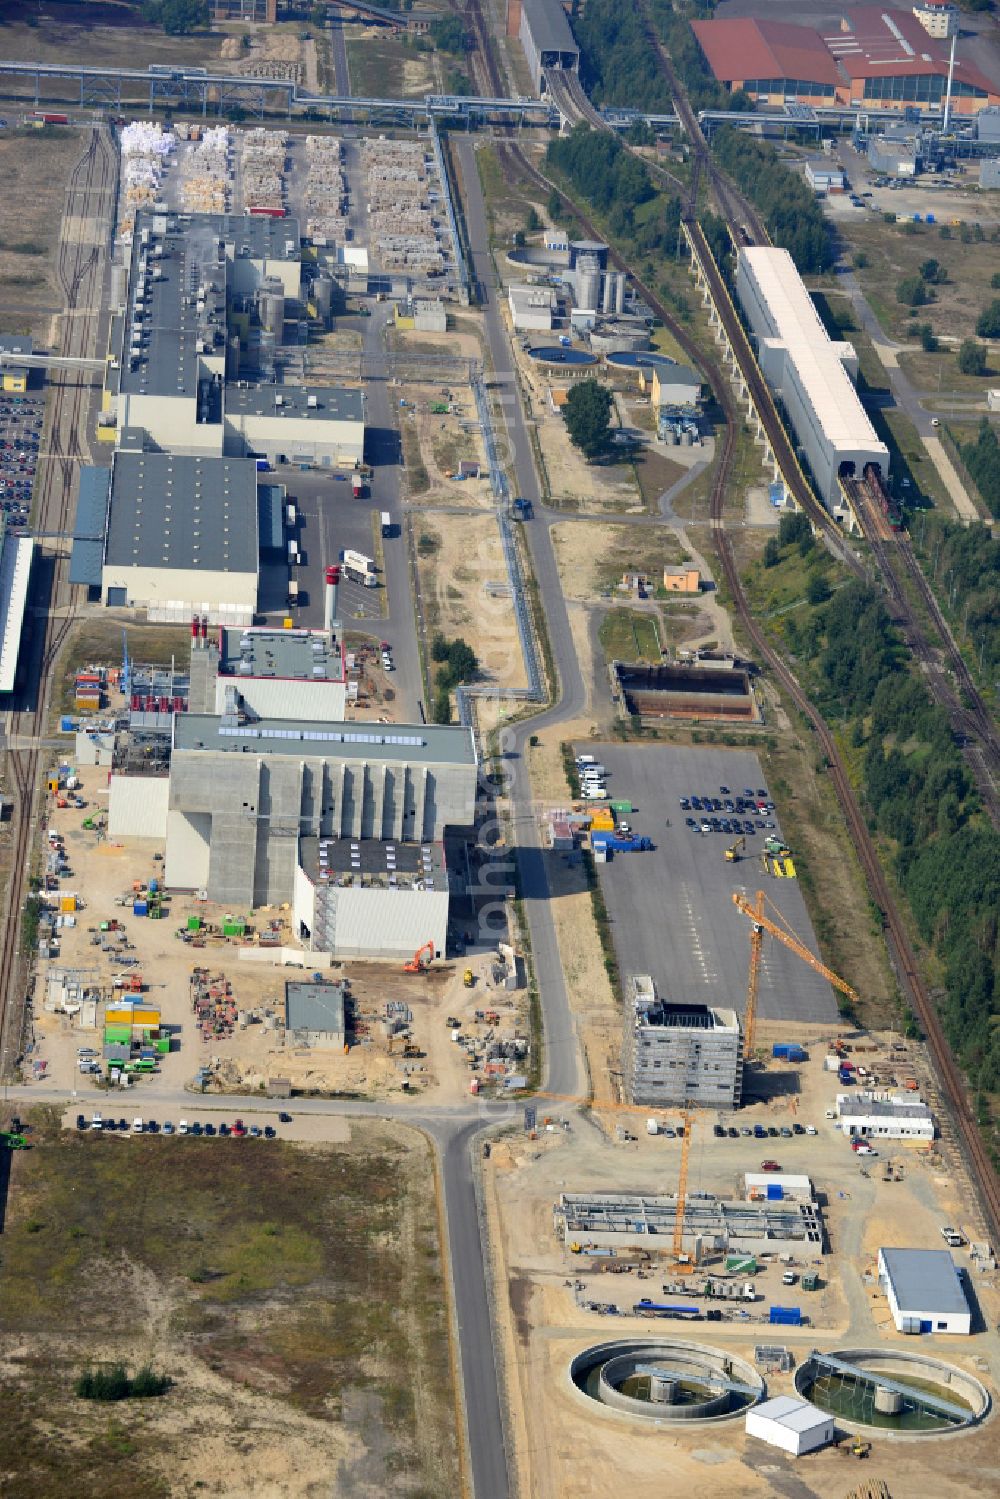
(589, 772)
(582, 760)
(594, 792)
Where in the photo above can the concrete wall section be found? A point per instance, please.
(187, 591)
(189, 837)
(137, 807)
(325, 444)
(388, 923)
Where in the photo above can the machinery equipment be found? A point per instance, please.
(760, 925)
(469, 978)
(421, 960)
(733, 854)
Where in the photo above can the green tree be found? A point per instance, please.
(177, 17)
(928, 339)
(913, 291)
(995, 281)
(587, 414)
(442, 706)
(532, 223)
(448, 34)
(772, 552)
(793, 527)
(934, 272)
(988, 321)
(817, 589)
(972, 357)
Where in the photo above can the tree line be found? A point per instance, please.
(982, 459)
(964, 563)
(919, 797)
(616, 184)
(784, 200)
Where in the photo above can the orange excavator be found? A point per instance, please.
(421, 960)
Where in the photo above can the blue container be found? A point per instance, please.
(262, 465)
(787, 1316)
(775, 1192)
(154, 885)
(932, 218)
(140, 908)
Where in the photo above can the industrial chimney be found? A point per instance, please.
(330, 621)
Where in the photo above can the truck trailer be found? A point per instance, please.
(359, 568)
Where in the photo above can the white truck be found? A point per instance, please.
(360, 569)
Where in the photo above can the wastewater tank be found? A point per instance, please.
(665, 1379)
(899, 1392)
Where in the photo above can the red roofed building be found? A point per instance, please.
(875, 59)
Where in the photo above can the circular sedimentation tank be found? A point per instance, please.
(906, 1402)
(634, 359)
(556, 354)
(664, 1379)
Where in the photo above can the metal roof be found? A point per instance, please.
(270, 518)
(299, 655)
(314, 1007)
(16, 553)
(378, 860)
(924, 1280)
(859, 1107)
(890, 44)
(795, 323)
(401, 744)
(15, 343)
(91, 526)
(744, 47)
(550, 30)
(179, 511)
(330, 403)
(792, 1414)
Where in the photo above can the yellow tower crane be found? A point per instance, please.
(760, 925)
(682, 1191)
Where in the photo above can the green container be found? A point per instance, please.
(194, 924)
(810, 1281)
(162, 1044)
(117, 1035)
(741, 1264)
(233, 928)
(154, 913)
(621, 806)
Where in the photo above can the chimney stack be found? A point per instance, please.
(330, 621)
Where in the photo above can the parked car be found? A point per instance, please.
(81, 1122)
(769, 1166)
(168, 1128)
(284, 1118)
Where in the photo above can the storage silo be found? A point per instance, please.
(271, 308)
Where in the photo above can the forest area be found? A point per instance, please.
(918, 795)
(618, 66)
(784, 200)
(982, 459)
(617, 185)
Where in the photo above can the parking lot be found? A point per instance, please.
(671, 908)
(21, 420)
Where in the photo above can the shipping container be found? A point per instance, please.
(386, 523)
(789, 1316)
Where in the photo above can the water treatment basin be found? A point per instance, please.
(893, 1391)
(555, 354)
(665, 1379)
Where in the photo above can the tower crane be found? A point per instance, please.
(760, 925)
(678, 1246)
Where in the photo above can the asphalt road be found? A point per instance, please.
(671, 908)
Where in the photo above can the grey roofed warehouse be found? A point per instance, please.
(183, 512)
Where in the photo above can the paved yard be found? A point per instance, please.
(672, 908)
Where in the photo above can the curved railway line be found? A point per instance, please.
(79, 268)
(954, 1092)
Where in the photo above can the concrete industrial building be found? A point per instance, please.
(14, 377)
(924, 1290)
(547, 40)
(677, 1054)
(892, 157)
(875, 59)
(315, 1014)
(812, 375)
(532, 308)
(894, 1116)
(825, 176)
(293, 674)
(607, 1220)
(342, 822)
(203, 307)
(675, 385)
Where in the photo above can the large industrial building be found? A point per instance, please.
(677, 1054)
(196, 325)
(16, 554)
(545, 36)
(811, 374)
(293, 674)
(181, 536)
(874, 59)
(893, 1116)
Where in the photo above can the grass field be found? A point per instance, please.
(388, 67)
(627, 635)
(34, 167)
(294, 1297)
(96, 35)
(99, 642)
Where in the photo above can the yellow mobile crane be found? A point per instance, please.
(733, 853)
(760, 925)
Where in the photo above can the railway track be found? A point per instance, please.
(79, 268)
(954, 1093)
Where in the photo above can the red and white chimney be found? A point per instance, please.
(330, 620)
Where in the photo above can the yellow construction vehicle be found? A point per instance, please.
(760, 925)
(733, 853)
(469, 978)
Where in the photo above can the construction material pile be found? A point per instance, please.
(213, 1003)
(145, 148)
(207, 173)
(325, 193)
(263, 154)
(400, 205)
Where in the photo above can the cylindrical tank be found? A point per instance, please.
(323, 296)
(888, 1402)
(588, 283)
(271, 308)
(662, 1391)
